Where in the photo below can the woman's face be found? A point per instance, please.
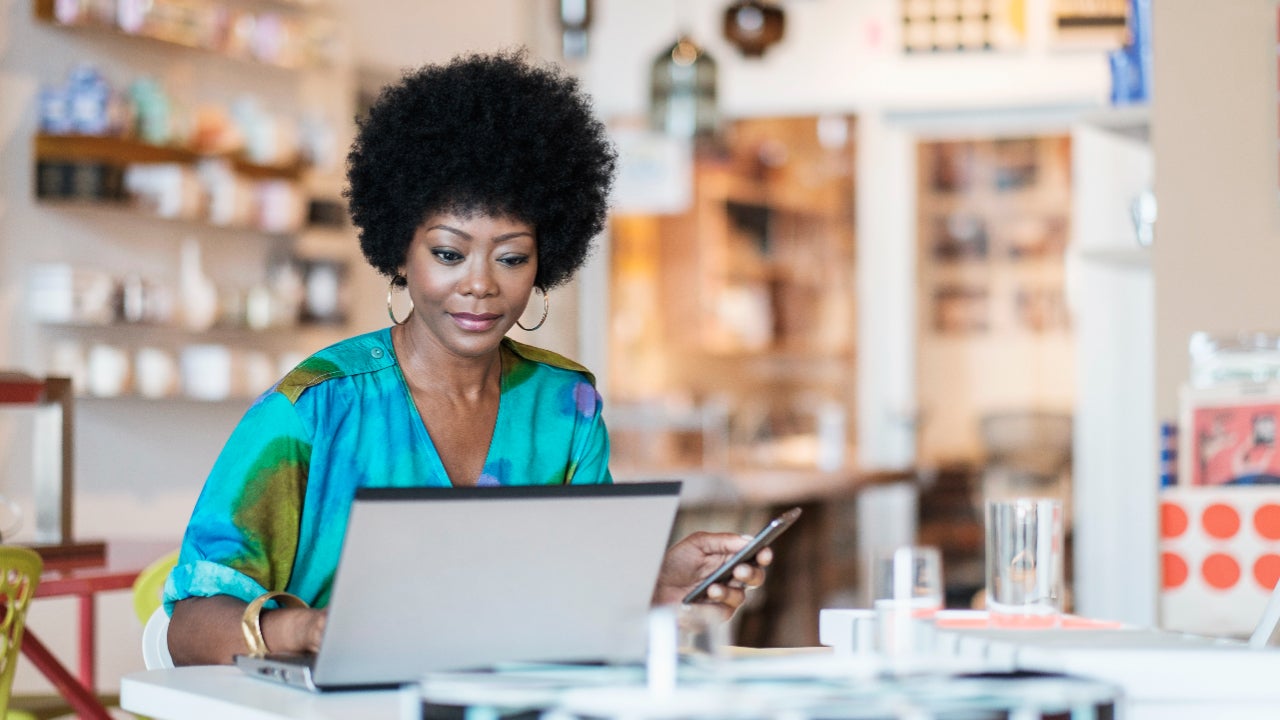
(470, 277)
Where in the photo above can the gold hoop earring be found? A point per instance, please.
(546, 307)
(391, 313)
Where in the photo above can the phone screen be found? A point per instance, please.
(761, 540)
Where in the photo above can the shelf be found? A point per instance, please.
(127, 206)
(118, 151)
(1136, 256)
(304, 41)
(90, 171)
(233, 401)
(270, 336)
(1130, 121)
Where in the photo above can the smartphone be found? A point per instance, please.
(761, 541)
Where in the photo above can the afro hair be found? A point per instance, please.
(492, 134)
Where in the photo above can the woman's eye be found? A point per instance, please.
(447, 256)
(513, 260)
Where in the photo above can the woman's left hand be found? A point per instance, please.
(700, 554)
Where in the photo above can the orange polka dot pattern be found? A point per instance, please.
(1219, 556)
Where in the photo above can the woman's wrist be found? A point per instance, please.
(252, 622)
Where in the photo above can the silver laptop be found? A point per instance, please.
(460, 578)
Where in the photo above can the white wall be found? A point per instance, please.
(836, 55)
(1214, 123)
(391, 35)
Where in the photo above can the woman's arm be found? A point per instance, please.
(207, 630)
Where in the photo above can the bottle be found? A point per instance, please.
(199, 294)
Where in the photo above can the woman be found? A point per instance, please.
(473, 184)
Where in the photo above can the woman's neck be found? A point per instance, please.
(429, 366)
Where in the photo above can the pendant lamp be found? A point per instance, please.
(575, 18)
(682, 87)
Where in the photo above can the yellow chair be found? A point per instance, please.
(19, 574)
(148, 589)
(148, 593)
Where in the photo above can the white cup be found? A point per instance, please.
(108, 370)
(847, 631)
(155, 372)
(206, 372)
(906, 585)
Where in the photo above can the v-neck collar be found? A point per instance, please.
(420, 425)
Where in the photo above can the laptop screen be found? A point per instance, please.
(452, 578)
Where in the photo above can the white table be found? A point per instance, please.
(220, 692)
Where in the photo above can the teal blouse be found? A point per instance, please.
(273, 511)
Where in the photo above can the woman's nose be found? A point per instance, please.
(478, 280)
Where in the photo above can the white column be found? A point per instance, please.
(886, 278)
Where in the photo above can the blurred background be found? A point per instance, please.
(880, 258)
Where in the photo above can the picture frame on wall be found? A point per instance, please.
(1089, 24)
(938, 26)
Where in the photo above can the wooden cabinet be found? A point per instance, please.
(995, 332)
(745, 301)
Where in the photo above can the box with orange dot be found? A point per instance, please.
(1219, 557)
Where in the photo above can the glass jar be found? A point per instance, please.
(1244, 357)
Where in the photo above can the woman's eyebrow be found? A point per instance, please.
(467, 236)
(453, 230)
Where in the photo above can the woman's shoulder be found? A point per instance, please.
(542, 358)
(353, 356)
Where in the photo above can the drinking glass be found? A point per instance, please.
(1024, 562)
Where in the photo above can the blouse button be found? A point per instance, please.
(376, 352)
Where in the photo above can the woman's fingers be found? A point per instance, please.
(730, 596)
(749, 575)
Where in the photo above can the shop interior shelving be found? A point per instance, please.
(121, 151)
(316, 53)
(231, 252)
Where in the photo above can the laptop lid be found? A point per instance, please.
(452, 578)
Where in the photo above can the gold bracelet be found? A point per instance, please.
(251, 621)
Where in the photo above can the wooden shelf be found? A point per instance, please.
(306, 54)
(1135, 256)
(311, 335)
(128, 206)
(125, 151)
(1131, 121)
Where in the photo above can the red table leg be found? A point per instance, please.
(86, 704)
(88, 644)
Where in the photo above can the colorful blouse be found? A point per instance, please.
(273, 511)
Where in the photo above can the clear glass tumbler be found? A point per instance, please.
(1024, 562)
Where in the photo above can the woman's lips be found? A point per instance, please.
(472, 322)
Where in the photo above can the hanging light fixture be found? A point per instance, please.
(682, 87)
(575, 17)
(753, 25)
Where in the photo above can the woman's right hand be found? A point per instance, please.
(293, 630)
(208, 630)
